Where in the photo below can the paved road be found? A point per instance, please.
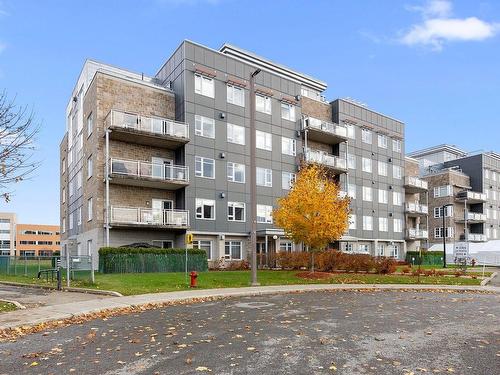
(35, 297)
(339, 332)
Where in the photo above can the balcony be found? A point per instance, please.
(474, 237)
(417, 234)
(334, 163)
(145, 174)
(135, 217)
(415, 185)
(324, 132)
(150, 131)
(472, 217)
(416, 209)
(472, 197)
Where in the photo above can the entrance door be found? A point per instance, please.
(162, 168)
(158, 207)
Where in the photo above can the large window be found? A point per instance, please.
(71, 221)
(396, 172)
(367, 223)
(90, 167)
(396, 145)
(287, 111)
(366, 136)
(232, 250)
(449, 232)
(79, 217)
(235, 95)
(438, 211)
(236, 172)
(397, 198)
(443, 191)
(89, 247)
(204, 245)
(90, 205)
(383, 196)
(264, 214)
(351, 161)
(204, 167)
(263, 103)
(382, 168)
(236, 211)
(288, 146)
(398, 225)
(383, 225)
(286, 246)
(351, 191)
(205, 209)
(287, 180)
(382, 140)
(264, 140)
(351, 131)
(204, 126)
(367, 194)
(235, 134)
(366, 165)
(352, 222)
(264, 177)
(204, 85)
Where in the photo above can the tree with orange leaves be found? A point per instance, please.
(313, 212)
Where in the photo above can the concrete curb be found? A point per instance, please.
(488, 279)
(64, 311)
(17, 304)
(65, 289)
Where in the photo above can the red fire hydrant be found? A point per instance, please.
(194, 276)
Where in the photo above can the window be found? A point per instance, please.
(443, 191)
(204, 167)
(63, 229)
(396, 145)
(232, 250)
(79, 179)
(381, 249)
(263, 104)
(449, 232)
(63, 193)
(89, 209)
(90, 124)
(71, 221)
(286, 246)
(394, 251)
(352, 222)
(287, 111)
(235, 134)
(383, 196)
(204, 85)
(398, 225)
(204, 245)
(367, 193)
(205, 209)
(366, 165)
(288, 146)
(90, 167)
(382, 168)
(486, 173)
(396, 172)
(264, 214)
(235, 172)
(382, 140)
(383, 224)
(264, 177)
(397, 198)
(263, 140)
(438, 211)
(79, 215)
(364, 248)
(71, 186)
(235, 95)
(287, 180)
(351, 131)
(351, 161)
(351, 191)
(367, 223)
(236, 211)
(89, 247)
(366, 136)
(204, 126)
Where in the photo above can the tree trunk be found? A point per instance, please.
(312, 262)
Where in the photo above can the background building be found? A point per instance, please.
(37, 239)
(7, 233)
(148, 159)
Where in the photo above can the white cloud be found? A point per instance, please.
(438, 27)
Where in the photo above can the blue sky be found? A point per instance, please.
(432, 64)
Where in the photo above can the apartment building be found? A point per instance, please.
(469, 185)
(37, 240)
(149, 159)
(7, 233)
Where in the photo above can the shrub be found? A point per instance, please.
(406, 269)
(143, 250)
(359, 262)
(385, 265)
(294, 260)
(330, 260)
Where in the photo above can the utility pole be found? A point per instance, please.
(253, 180)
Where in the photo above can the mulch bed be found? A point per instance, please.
(314, 275)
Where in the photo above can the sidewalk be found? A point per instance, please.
(67, 310)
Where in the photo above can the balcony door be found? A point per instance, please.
(162, 168)
(159, 206)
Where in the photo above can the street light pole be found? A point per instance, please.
(444, 233)
(253, 182)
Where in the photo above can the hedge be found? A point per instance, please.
(141, 260)
(428, 257)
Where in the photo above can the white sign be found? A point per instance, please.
(461, 250)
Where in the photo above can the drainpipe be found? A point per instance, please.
(106, 173)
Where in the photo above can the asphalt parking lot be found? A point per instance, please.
(343, 332)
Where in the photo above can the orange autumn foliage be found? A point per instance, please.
(313, 212)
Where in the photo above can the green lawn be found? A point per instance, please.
(6, 306)
(129, 284)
